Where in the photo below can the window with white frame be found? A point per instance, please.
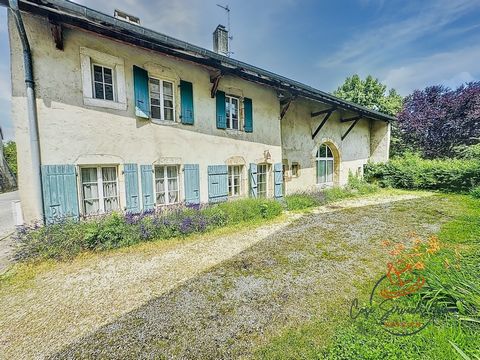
(99, 189)
(103, 82)
(162, 104)
(325, 162)
(166, 185)
(262, 180)
(232, 112)
(235, 180)
(103, 79)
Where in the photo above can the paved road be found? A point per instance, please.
(7, 225)
(6, 216)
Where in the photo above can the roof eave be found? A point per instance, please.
(80, 16)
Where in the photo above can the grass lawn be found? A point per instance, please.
(284, 292)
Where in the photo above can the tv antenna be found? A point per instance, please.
(227, 10)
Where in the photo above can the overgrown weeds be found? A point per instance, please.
(304, 200)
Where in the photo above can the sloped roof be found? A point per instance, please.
(69, 13)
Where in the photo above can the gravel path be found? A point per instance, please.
(216, 296)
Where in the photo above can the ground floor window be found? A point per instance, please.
(99, 189)
(262, 180)
(234, 180)
(166, 185)
(325, 164)
(295, 169)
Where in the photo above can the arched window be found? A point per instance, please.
(324, 165)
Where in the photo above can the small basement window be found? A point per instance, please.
(295, 169)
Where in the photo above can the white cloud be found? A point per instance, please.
(448, 68)
(393, 34)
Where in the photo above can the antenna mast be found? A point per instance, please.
(227, 10)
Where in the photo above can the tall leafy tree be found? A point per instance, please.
(372, 94)
(437, 120)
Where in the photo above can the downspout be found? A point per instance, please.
(36, 180)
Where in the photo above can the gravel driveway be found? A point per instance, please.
(310, 269)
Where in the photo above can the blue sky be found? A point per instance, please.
(405, 44)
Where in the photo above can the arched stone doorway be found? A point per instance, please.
(327, 164)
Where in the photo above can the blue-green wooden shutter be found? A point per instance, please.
(253, 180)
(217, 183)
(60, 196)
(248, 106)
(148, 197)
(142, 97)
(130, 172)
(221, 113)
(186, 102)
(278, 181)
(191, 178)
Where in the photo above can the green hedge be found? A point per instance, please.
(413, 172)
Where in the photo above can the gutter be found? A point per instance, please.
(76, 15)
(36, 179)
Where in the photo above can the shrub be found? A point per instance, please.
(68, 238)
(413, 172)
(304, 200)
(475, 192)
(300, 201)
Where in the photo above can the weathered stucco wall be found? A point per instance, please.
(72, 133)
(350, 154)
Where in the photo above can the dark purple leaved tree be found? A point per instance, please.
(436, 120)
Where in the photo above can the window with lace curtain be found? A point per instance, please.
(166, 185)
(99, 189)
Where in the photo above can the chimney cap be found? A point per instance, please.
(122, 15)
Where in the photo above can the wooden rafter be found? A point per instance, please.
(330, 112)
(321, 112)
(285, 107)
(57, 34)
(355, 118)
(215, 80)
(350, 128)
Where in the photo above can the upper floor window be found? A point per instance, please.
(99, 189)
(103, 82)
(162, 105)
(232, 112)
(103, 79)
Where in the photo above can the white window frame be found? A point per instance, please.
(103, 82)
(325, 159)
(267, 179)
(228, 98)
(165, 179)
(88, 57)
(101, 197)
(231, 180)
(162, 105)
